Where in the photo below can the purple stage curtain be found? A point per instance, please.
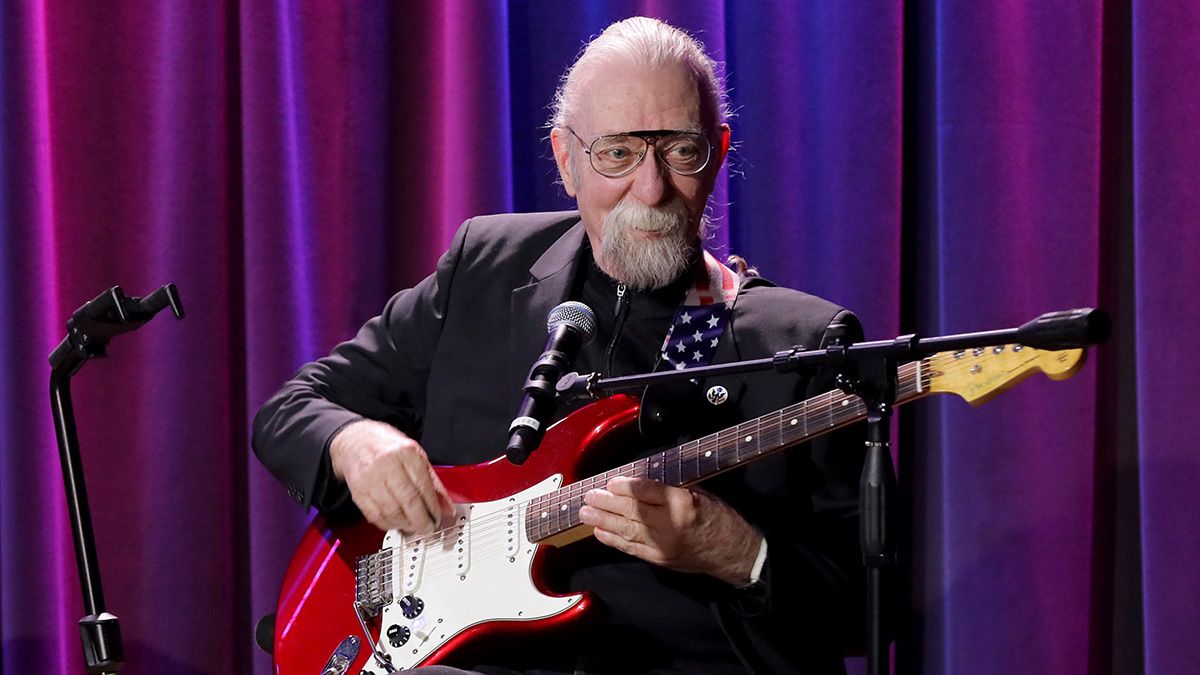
(936, 166)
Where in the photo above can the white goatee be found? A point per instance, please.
(647, 263)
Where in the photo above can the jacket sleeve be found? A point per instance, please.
(806, 612)
(380, 374)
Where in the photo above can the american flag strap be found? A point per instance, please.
(701, 320)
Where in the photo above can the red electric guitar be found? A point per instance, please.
(358, 600)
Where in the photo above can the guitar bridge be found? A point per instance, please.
(373, 582)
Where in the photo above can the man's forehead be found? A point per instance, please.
(620, 96)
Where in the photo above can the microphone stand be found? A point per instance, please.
(88, 332)
(869, 370)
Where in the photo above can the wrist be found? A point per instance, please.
(342, 442)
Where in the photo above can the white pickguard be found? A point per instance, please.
(489, 580)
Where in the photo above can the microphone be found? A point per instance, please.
(570, 325)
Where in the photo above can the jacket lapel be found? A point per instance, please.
(552, 276)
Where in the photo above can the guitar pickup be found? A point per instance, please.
(456, 543)
(512, 538)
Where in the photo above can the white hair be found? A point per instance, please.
(651, 43)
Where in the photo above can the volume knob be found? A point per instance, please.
(411, 606)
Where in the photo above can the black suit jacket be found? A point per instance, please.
(445, 362)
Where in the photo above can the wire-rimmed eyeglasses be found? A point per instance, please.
(615, 155)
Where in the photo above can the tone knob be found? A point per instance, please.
(397, 635)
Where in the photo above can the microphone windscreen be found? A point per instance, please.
(575, 314)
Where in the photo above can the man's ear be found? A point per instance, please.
(562, 157)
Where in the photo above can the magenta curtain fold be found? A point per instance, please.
(939, 166)
(1012, 212)
(1166, 229)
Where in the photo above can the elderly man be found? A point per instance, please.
(757, 572)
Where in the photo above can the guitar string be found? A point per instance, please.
(834, 403)
(483, 526)
(827, 408)
(832, 398)
(688, 452)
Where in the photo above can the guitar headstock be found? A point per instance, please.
(979, 374)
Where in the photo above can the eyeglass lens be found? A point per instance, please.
(615, 155)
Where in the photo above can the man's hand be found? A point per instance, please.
(673, 527)
(390, 478)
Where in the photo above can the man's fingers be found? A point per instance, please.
(443, 494)
(641, 489)
(405, 500)
(615, 524)
(390, 478)
(381, 511)
(420, 477)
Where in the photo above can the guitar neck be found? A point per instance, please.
(558, 511)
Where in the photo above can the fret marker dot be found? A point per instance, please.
(544, 514)
(749, 438)
(795, 422)
(708, 454)
(655, 465)
(563, 507)
(845, 402)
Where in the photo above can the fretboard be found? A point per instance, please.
(558, 511)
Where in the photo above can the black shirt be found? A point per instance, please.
(631, 326)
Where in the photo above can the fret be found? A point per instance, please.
(559, 509)
(770, 434)
(840, 409)
(532, 531)
(802, 416)
(707, 457)
(805, 414)
(547, 519)
(638, 468)
(747, 439)
(571, 513)
(656, 467)
(689, 464)
(671, 466)
(783, 427)
(543, 521)
(732, 454)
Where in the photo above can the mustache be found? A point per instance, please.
(670, 218)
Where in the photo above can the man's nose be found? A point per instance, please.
(651, 180)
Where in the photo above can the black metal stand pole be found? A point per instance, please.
(1067, 329)
(88, 332)
(99, 630)
(876, 386)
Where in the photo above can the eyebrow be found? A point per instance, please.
(695, 129)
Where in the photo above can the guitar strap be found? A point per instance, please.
(701, 320)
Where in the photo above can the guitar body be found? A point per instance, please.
(466, 586)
